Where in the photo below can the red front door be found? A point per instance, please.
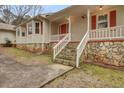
(63, 29)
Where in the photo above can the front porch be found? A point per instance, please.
(90, 24)
(104, 26)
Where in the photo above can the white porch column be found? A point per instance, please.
(43, 34)
(27, 33)
(20, 34)
(69, 28)
(33, 31)
(88, 20)
(50, 35)
(27, 29)
(33, 27)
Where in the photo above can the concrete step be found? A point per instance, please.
(68, 53)
(65, 62)
(72, 45)
(67, 56)
(69, 49)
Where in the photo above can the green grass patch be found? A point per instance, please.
(27, 56)
(111, 77)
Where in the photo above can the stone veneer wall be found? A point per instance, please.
(108, 52)
(35, 48)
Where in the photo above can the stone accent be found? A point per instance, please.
(35, 48)
(105, 52)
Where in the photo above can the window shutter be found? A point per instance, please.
(93, 19)
(112, 20)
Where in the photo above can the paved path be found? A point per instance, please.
(14, 74)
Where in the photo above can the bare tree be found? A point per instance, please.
(6, 14)
(36, 9)
(16, 14)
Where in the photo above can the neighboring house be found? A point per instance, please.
(7, 32)
(77, 33)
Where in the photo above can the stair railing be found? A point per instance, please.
(60, 45)
(81, 47)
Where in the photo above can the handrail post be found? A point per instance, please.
(53, 53)
(120, 32)
(69, 28)
(109, 30)
(77, 60)
(88, 20)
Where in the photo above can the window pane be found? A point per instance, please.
(103, 21)
(23, 34)
(29, 28)
(37, 28)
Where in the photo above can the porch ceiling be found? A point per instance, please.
(76, 10)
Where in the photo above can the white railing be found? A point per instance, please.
(60, 45)
(81, 47)
(107, 33)
(57, 37)
(23, 39)
(99, 34)
(37, 38)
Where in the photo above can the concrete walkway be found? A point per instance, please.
(14, 74)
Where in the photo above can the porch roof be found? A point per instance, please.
(70, 11)
(38, 17)
(76, 10)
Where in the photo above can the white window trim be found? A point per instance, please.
(39, 26)
(108, 18)
(28, 28)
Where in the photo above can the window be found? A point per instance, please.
(30, 28)
(37, 28)
(23, 34)
(103, 21)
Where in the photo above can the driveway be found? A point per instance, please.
(14, 74)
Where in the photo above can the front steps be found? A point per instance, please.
(68, 55)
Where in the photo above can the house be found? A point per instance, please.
(7, 32)
(79, 33)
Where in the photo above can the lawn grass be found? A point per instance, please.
(90, 76)
(22, 55)
(113, 78)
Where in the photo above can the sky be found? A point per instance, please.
(53, 8)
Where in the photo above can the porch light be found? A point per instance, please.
(100, 8)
